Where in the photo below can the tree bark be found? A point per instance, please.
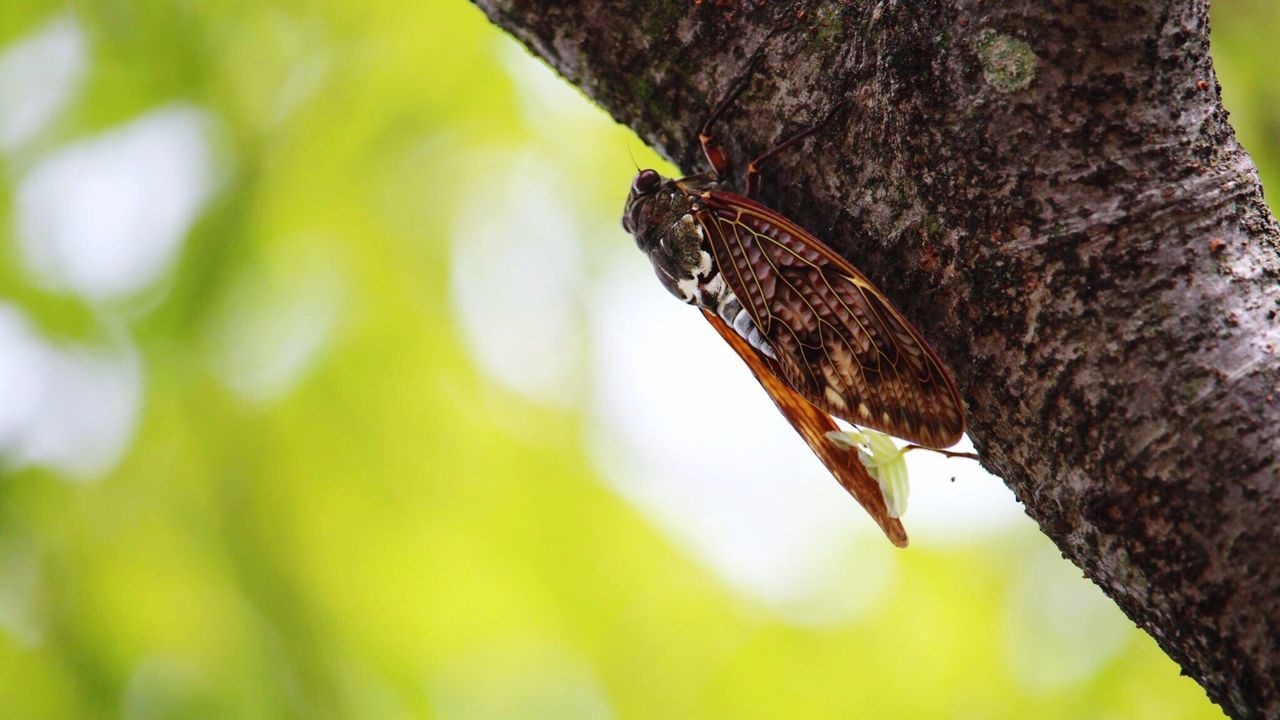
(1051, 192)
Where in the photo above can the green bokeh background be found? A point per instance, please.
(383, 529)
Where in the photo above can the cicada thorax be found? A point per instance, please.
(669, 226)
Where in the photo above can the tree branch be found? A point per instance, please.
(1052, 193)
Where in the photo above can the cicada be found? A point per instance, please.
(823, 341)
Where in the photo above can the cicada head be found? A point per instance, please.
(660, 215)
(653, 204)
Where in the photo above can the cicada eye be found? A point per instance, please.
(646, 182)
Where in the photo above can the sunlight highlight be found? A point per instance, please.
(105, 217)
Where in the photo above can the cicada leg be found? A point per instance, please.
(719, 159)
(711, 147)
(714, 151)
(753, 169)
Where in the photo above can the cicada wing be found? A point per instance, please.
(813, 425)
(839, 342)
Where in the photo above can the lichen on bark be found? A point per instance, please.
(1008, 64)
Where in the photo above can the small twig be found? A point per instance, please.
(946, 453)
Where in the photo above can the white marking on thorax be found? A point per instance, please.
(702, 284)
(691, 288)
(715, 288)
(688, 288)
(704, 260)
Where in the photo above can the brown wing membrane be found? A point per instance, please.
(838, 340)
(813, 425)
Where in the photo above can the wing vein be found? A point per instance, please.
(839, 342)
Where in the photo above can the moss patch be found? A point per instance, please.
(932, 225)
(828, 24)
(1008, 64)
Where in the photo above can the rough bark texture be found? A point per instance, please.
(1052, 193)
